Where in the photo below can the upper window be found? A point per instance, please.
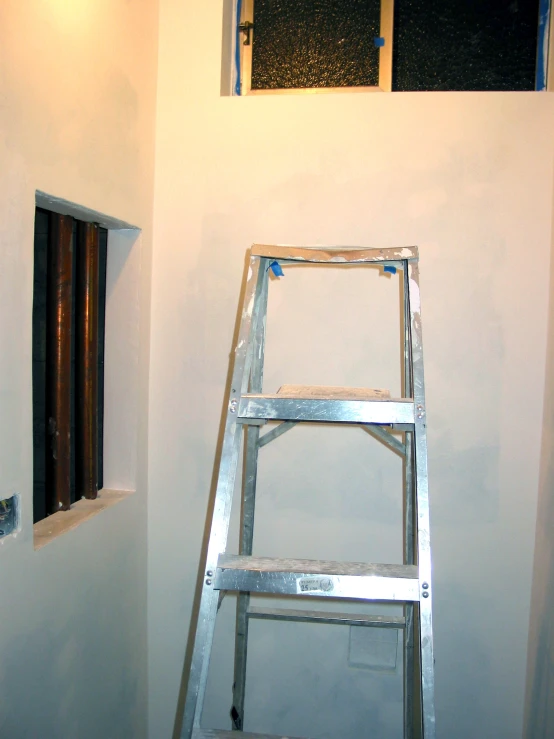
(405, 45)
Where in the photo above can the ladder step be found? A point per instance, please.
(327, 617)
(333, 256)
(224, 734)
(348, 408)
(318, 578)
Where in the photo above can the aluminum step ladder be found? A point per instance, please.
(376, 412)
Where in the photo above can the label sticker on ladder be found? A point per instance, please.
(314, 585)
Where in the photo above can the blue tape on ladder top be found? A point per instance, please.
(389, 268)
(276, 268)
(379, 41)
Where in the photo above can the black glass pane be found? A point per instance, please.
(315, 43)
(465, 44)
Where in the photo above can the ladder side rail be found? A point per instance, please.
(222, 505)
(422, 508)
(251, 449)
(409, 543)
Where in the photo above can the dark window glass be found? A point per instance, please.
(315, 43)
(453, 45)
(465, 44)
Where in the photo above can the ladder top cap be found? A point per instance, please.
(334, 255)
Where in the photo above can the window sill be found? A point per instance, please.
(60, 523)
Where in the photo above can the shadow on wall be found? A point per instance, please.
(539, 708)
(539, 695)
(199, 295)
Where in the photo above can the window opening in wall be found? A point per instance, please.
(69, 298)
(329, 44)
(402, 45)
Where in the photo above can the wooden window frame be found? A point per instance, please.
(243, 55)
(385, 58)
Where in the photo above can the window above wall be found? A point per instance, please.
(383, 45)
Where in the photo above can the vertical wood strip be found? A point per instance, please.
(385, 52)
(102, 273)
(246, 50)
(58, 372)
(86, 390)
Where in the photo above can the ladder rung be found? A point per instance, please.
(330, 410)
(223, 734)
(327, 617)
(333, 256)
(317, 578)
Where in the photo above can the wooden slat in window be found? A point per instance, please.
(86, 364)
(58, 363)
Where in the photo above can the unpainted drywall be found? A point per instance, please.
(77, 95)
(468, 178)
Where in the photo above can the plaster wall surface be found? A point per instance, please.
(77, 104)
(468, 178)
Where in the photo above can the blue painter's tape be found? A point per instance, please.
(237, 49)
(275, 267)
(379, 41)
(542, 44)
(389, 268)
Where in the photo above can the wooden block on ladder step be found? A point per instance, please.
(317, 578)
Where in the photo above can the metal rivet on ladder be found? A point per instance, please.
(233, 405)
(425, 593)
(209, 573)
(208, 582)
(425, 585)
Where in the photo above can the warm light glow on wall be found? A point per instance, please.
(69, 15)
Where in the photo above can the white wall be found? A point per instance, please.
(77, 96)
(467, 177)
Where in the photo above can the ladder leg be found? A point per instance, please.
(410, 731)
(222, 505)
(247, 515)
(412, 673)
(243, 598)
(422, 511)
